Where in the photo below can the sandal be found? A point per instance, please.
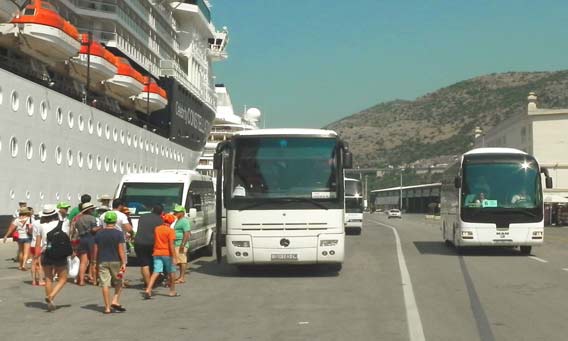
(147, 296)
(50, 305)
(174, 295)
(107, 312)
(118, 307)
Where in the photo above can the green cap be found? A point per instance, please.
(179, 209)
(63, 204)
(110, 217)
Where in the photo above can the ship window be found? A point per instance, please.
(90, 126)
(152, 148)
(30, 106)
(41, 195)
(80, 122)
(14, 146)
(182, 159)
(99, 162)
(15, 101)
(29, 150)
(59, 116)
(69, 157)
(1, 95)
(68, 196)
(128, 169)
(90, 161)
(43, 110)
(121, 167)
(122, 136)
(42, 152)
(114, 134)
(107, 164)
(128, 138)
(135, 141)
(57, 196)
(107, 131)
(99, 129)
(134, 169)
(58, 155)
(147, 145)
(12, 194)
(29, 11)
(0, 144)
(114, 166)
(80, 159)
(28, 195)
(70, 119)
(141, 145)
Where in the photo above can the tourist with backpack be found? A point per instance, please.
(56, 247)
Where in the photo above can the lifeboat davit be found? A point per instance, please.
(103, 63)
(8, 10)
(152, 97)
(41, 32)
(127, 82)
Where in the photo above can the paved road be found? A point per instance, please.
(482, 295)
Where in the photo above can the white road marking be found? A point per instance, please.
(415, 330)
(538, 259)
(304, 322)
(565, 269)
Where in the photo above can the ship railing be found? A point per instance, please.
(169, 68)
(94, 5)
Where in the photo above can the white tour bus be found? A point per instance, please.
(188, 188)
(283, 192)
(493, 197)
(353, 206)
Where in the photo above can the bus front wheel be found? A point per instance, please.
(526, 249)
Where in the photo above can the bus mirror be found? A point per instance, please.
(192, 213)
(548, 182)
(457, 182)
(217, 161)
(348, 160)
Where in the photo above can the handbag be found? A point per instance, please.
(15, 236)
(73, 266)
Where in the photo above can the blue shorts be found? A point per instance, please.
(86, 244)
(163, 264)
(24, 240)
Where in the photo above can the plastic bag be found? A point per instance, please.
(72, 266)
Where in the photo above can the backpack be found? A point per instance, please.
(58, 243)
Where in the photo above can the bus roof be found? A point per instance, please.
(288, 132)
(477, 151)
(165, 176)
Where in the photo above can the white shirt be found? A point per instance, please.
(22, 226)
(36, 232)
(121, 220)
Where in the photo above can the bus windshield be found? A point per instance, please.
(354, 205)
(501, 185)
(353, 188)
(285, 167)
(141, 197)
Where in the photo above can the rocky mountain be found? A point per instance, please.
(442, 122)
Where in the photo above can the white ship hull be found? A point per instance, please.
(101, 69)
(54, 148)
(45, 43)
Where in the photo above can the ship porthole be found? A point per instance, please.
(42, 152)
(81, 123)
(121, 167)
(69, 196)
(107, 131)
(182, 159)
(128, 138)
(80, 159)
(152, 148)
(69, 157)
(0, 144)
(135, 141)
(57, 196)
(122, 136)
(15, 100)
(14, 146)
(43, 110)
(29, 150)
(1, 95)
(12, 194)
(114, 134)
(141, 145)
(134, 169)
(70, 119)
(41, 195)
(128, 169)
(90, 161)
(107, 164)
(147, 145)
(30, 106)
(99, 163)
(28, 195)
(58, 155)
(99, 129)
(114, 166)
(59, 116)
(90, 126)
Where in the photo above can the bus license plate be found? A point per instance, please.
(283, 256)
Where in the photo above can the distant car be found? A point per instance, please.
(394, 213)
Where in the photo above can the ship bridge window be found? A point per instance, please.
(30, 11)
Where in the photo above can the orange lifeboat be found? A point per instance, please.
(42, 33)
(102, 63)
(127, 82)
(152, 97)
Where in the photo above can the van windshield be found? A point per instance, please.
(141, 197)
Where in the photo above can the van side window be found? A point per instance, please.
(195, 195)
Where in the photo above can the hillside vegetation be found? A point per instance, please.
(442, 123)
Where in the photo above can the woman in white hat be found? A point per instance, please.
(22, 224)
(51, 267)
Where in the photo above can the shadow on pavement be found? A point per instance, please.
(94, 307)
(43, 306)
(440, 248)
(211, 268)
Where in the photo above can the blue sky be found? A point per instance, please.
(307, 63)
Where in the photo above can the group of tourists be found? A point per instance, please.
(98, 236)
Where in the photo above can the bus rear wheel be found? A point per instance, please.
(526, 249)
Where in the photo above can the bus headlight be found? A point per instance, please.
(241, 243)
(331, 242)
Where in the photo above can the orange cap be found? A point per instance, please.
(168, 218)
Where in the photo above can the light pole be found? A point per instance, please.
(401, 170)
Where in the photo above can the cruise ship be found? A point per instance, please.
(94, 89)
(225, 125)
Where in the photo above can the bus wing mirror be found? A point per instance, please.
(548, 182)
(457, 181)
(348, 160)
(217, 161)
